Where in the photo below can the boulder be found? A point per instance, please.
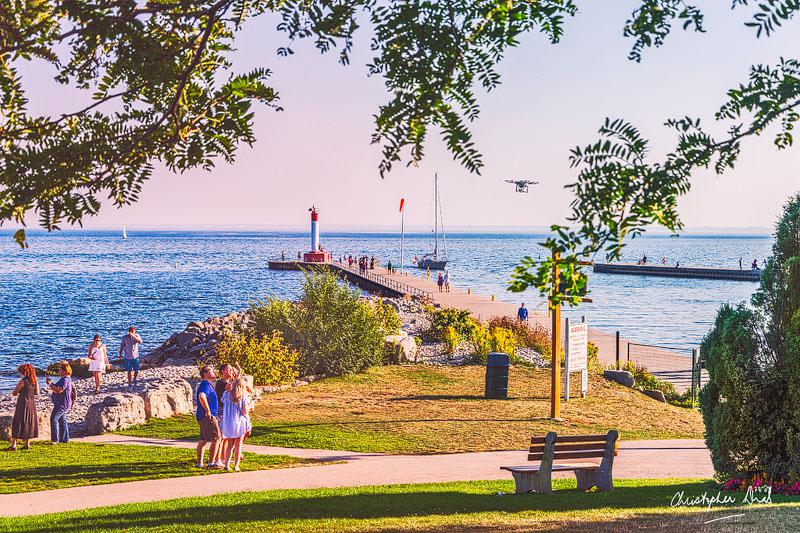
(7, 417)
(187, 338)
(166, 398)
(620, 376)
(400, 349)
(656, 395)
(116, 411)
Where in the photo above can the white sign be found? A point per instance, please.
(576, 344)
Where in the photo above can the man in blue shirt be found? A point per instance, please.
(522, 313)
(62, 403)
(129, 351)
(207, 410)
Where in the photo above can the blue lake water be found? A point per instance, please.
(70, 285)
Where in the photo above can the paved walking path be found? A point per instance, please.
(637, 459)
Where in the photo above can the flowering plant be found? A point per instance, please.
(758, 481)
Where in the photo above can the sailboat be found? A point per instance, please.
(432, 260)
(124, 233)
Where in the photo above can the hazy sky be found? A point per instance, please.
(552, 98)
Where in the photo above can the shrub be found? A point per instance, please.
(333, 329)
(485, 341)
(460, 320)
(644, 380)
(267, 358)
(535, 337)
(451, 339)
(387, 317)
(752, 356)
(593, 358)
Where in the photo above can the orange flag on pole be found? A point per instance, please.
(402, 201)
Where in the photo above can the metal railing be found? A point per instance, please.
(378, 279)
(681, 366)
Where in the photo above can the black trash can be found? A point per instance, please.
(497, 376)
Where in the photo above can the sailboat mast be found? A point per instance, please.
(436, 215)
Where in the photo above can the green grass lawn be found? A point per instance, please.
(427, 409)
(477, 506)
(46, 466)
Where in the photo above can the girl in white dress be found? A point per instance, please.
(98, 360)
(235, 422)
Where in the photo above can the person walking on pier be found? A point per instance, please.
(740, 263)
(755, 264)
(446, 281)
(440, 281)
(389, 267)
(522, 313)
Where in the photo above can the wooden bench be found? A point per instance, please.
(538, 478)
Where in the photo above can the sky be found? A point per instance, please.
(552, 98)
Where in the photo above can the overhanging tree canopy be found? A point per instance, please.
(163, 91)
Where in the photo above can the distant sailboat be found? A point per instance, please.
(124, 233)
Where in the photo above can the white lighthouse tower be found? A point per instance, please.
(317, 254)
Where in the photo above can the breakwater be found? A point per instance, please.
(666, 271)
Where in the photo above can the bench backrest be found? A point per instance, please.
(572, 446)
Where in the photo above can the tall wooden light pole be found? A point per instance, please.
(555, 382)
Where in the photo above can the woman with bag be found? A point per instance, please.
(235, 422)
(98, 360)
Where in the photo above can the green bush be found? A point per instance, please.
(335, 331)
(752, 356)
(451, 339)
(387, 316)
(267, 358)
(460, 320)
(535, 337)
(486, 340)
(644, 380)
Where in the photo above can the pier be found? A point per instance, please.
(631, 269)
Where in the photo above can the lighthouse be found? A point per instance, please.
(317, 254)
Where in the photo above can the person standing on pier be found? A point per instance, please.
(522, 313)
(440, 281)
(446, 281)
(755, 264)
(740, 263)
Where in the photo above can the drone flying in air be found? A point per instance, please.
(522, 185)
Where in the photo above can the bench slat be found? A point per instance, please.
(561, 467)
(566, 455)
(571, 438)
(582, 446)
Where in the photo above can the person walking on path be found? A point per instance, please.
(235, 422)
(440, 281)
(129, 351)
(206, 415)
(25, 424)
(446, 281)
(98, 360)
(522, 313)
(62, 403)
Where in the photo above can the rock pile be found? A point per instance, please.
(197, 341)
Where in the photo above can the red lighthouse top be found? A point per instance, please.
(314, 214)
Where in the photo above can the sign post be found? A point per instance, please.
(576, 341)
(555, 378)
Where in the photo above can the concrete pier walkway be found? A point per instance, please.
(636, 459)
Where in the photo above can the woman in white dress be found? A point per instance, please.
(98, 360)
(235, 422)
